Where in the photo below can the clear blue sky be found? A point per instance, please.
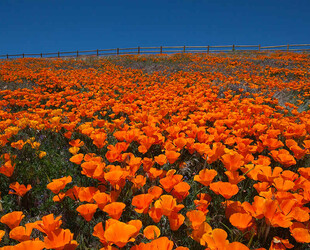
(35, 26)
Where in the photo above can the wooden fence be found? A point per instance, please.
(166, 50)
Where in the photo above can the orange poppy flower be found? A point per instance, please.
(114, 152)
(161, 243)
(77, 159)
(155, 191)
(119, 233)
(7, 169)
(89, 157)
(284, 157)
(218, 149)
(60, 239)
(203, 202)
(278, 243)
(226, 189)
(48, 224)
(151, 232)
(68, 134)
(196, 235)
(87, 211)
(274, 216)
(58, 184)
(169, 146)
(20, 190)
(241, 220)
(175, 221)
(59, 197)
(180, 142)
(102, 199)
(139, 181)
(155, 214)
(268, 174)
(73, 193)
(233, 207)
(142, 202)
(153, 173)
(42, 154)
(114, 209)
(99, 233)
(291, 209)
(12, 219)
(293, 146)
(147, 163)
(172, 156)
(99, 139)
(289, 175)
(257, 209)
(93, 169)
(170, 180)
(87, 193)
(119, 135)
(30, 244)
(232, 161)
(18, 145)
(74, 150)
(283, 185)
(234, 177)
(21, 233)
(261, 186)
(196, 218)
(168, 205)
(137, 224)
(217, 240)
(133, 164)
(181, 190)
(132, 135)
(301, 234)
(145, 143)
(305, 172)
(271, 143)
(239, 246)
(201, 148)
(205, 176)
(161, 159)
(116, 178)
(76, 143)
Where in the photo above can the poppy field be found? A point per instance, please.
(182, 151)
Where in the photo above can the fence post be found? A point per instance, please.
(138, 50)
(97, 52)
(41, 55)
(233, 48)
(184, 49)
(58, 54)
(77, 53)
(259, 48)
(161, 49)
(23, 55)
(208, 49)
(288, 47)
(7, 56)
(117, 51)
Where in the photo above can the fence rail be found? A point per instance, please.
(165, 50)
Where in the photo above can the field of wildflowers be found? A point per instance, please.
(184, 151)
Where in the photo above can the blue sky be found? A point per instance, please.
(35, 26)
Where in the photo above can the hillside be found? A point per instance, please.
(169, 151)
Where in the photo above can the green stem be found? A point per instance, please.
(251, 240)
